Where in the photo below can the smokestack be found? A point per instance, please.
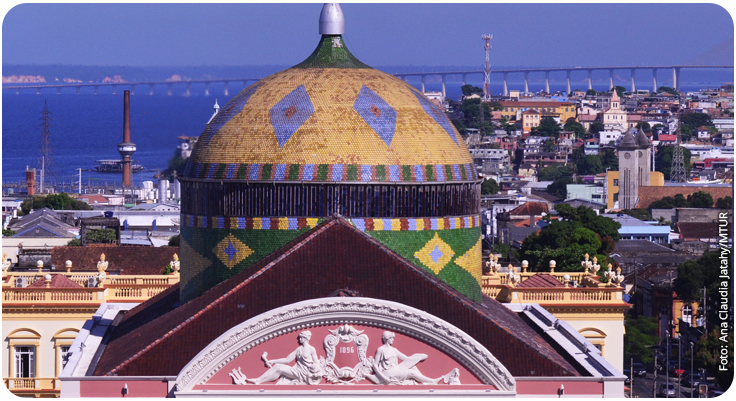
(126, 148)
(31, 181)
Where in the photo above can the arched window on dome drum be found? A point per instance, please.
(249, 199)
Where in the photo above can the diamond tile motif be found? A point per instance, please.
(231, 251)
(435, 254)
(376, 113)
(438, 116)
(471, 261)
(290, 113)
(230, 110)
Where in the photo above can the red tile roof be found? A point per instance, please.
(540, 280)
(530, 209)
(160, 336)
(143, 260)
(57, 281)
(647, 195)
(668, 138)
(696, 231)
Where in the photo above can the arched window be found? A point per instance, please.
(596, 337)
(687, 314)
(23, 345)
(63, 340)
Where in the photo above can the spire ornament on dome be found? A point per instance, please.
(331, 20)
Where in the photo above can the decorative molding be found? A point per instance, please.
(340, 311)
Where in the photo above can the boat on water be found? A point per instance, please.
(116, 166)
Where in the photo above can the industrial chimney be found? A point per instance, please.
(126, 148)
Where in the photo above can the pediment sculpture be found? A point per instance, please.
(388, 367)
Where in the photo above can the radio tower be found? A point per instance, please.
(487, 77)
(677, 171)
(45, 158)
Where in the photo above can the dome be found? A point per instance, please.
(324, 115)
(641, 139)
(628, 142)
(330, 138)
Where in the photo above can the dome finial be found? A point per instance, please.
(331, 20)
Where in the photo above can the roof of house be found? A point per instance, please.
(43, 228)
(523, 103)
(94, 198)
(663, 137)
(540, 280)
(693, 231)
(530, 209)
(128, 260)
(57, 281)
(647, 195)
(160, 336)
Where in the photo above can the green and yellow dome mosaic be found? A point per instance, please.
(331, 113)
(330, 136)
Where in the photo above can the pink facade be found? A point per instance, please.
(114, 388)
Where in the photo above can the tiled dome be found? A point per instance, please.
(313, 121)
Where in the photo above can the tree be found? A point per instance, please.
(74, 242)
(725, 203)
(609, 160)
(700, 199)
(104, 236)
(554, 172)
(176, 163)
(61, 201)
(470, 89)
(667, 89)
(549, 145)
(696, 120)
(590, 165)
(458, 125)
(496, 106)
(620, 90)
(518, 157)
(547, 127)
(489, 187)
(708, 352)
(558, 188)
(640, 333)
(641, 214)
(596, 127)
(591, 92)
(574, 126)
(8, 233)
(644, 126)
(576, 232)
(174, 241)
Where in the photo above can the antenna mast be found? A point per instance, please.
(487, 71)
(45, 156)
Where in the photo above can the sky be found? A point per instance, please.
(545, 35)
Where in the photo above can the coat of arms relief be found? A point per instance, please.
(389, 366)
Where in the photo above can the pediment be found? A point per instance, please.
(348, 337)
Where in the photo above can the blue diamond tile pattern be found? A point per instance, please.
(290, 113)
(436, 254)
(438, 116)
(230, 251)
(230, 110)
(376, 113)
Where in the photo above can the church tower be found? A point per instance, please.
(628, 171)
(644, 158)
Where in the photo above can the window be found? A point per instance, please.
(64, 355)
(687, 314)
(25, 361)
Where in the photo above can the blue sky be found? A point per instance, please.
(435, 34)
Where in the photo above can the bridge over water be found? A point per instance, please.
(567, 70)
(676, 69)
